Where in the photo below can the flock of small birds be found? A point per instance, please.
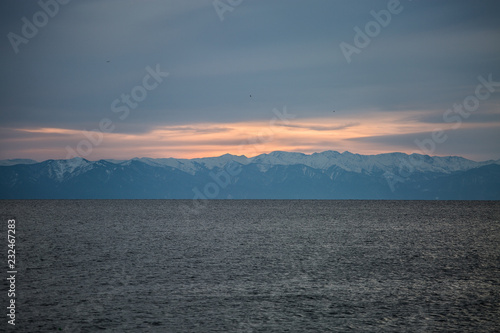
(250, 95)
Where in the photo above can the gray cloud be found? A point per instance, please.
(474, 118)
(478, 144)
(322, 128)
(198, 130)
(283, 52)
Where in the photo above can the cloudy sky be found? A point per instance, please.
(194, 78)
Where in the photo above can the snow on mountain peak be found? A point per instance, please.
(59, 168)
(394, 163)
(221, 161)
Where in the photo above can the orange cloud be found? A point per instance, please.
(206, 139)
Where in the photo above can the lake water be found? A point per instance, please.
(255, 266)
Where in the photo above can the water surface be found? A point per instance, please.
(256, 266)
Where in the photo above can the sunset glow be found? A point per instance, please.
(340, 133)
(207, 87)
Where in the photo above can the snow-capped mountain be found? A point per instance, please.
(287, 175)
(347, 161)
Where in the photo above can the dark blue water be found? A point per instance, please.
(255, 266)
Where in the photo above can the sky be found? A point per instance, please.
(118, 79)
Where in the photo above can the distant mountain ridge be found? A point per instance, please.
(277, 175)
(17, 161)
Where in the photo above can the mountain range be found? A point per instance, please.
(277, 175)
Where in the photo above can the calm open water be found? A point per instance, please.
(255, 266)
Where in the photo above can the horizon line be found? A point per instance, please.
(248, 157)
